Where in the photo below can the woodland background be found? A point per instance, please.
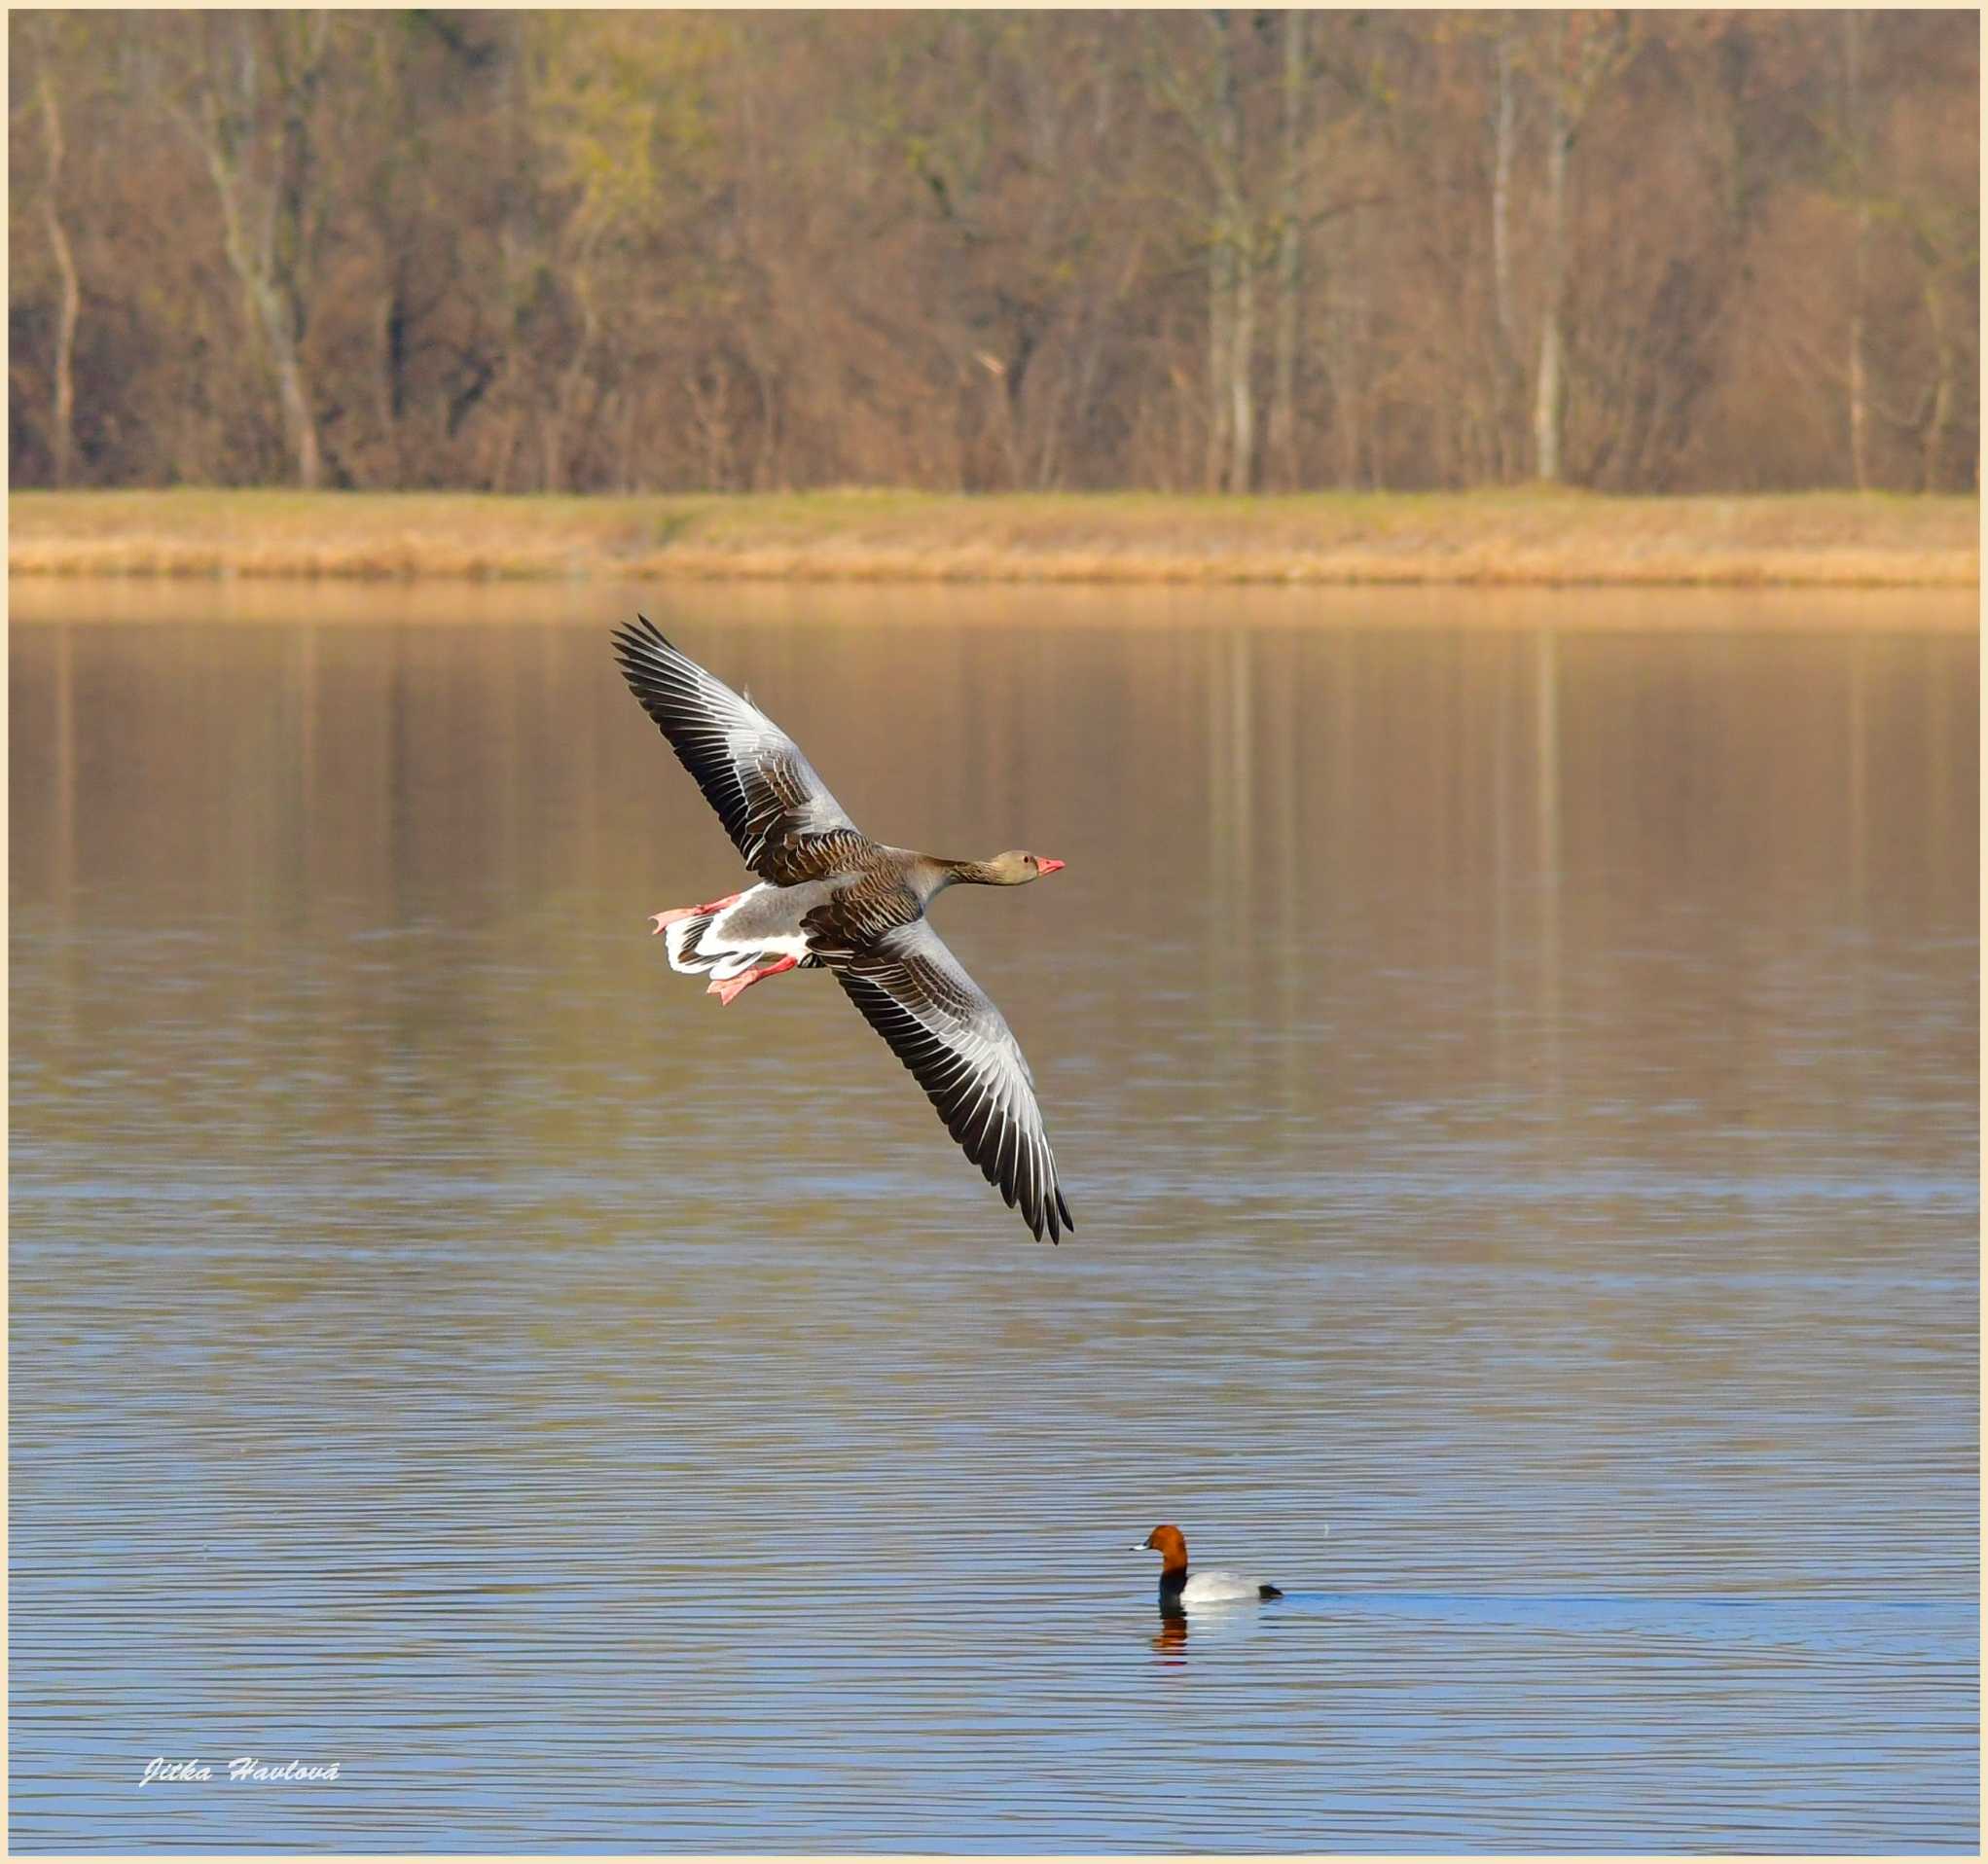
(1217, 250)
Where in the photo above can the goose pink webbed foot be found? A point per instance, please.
(668, 918)
(731, 986)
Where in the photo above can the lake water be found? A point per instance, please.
(1513, 1065)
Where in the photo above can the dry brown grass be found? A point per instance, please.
(1527, 538)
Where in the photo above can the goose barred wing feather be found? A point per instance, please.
(945, 1028)
(778, 812)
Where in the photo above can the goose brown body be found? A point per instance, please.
(832, 898)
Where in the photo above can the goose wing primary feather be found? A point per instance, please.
(946, 1029)
(777, 811)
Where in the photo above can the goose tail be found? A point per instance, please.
(682, 942)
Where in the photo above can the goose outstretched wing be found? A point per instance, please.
(778, 813)
(946, 1029)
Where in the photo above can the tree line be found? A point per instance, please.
(1222, 250)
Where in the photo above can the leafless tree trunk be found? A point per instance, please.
(62, 433)
(1209, 101)
(1939, 416)
(1503, 146)
(570, 385)
(1346, 327)
(1547, 392)
(1283, 414)
(1237, 233)
(267, 227)
(1221, 296)
(1501, 189)
(1859, 289)
(1587, 49)
(1242, 399)
(1860, 386)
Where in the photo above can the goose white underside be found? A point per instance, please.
(707, 943)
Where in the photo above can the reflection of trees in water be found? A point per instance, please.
(1393, 867)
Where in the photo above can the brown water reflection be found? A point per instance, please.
(1515, 1078)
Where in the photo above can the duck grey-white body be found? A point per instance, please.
(1179, 1588)
(831, 898)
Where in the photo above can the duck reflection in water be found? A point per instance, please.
(1171, 1636)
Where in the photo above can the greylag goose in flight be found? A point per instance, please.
(830, 897)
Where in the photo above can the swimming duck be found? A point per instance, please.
(1177, 1589)
(831, 898)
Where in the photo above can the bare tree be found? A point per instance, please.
(1283, 407)
(674, 250)
(1857, 180)
(1204, 92)
(62, 427)
(255, 92)
(1583, 53)
(1505, 144)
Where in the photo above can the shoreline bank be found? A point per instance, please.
(1525, 538)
